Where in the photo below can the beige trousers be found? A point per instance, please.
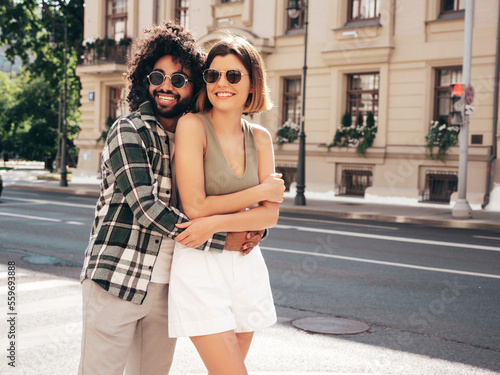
(119, 335)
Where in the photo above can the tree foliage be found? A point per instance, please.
(29, 119)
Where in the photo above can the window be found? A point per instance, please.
(298, 22)
(449, 6)
(181, 12)
(445, 77)
(292, 100)
(363, 9)
(116, 102)
(362, 95)
(355, 180)
(116, 19)
(439, 185)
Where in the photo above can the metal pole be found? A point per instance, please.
(58, 156)
(462, 208)
(64, 173)
(300, 199)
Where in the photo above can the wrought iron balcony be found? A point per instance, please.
(106, 54)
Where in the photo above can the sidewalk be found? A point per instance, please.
(434, 215)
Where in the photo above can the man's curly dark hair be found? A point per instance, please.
(172, 39)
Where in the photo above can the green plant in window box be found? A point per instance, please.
(287, 133)
(105, 44)
(442, 137)
(360, 135)
(98, 46)
(125, 41)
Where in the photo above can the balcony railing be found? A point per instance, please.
(116, 54)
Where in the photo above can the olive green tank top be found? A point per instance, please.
(219, 178)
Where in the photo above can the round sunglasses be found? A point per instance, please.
(233, 76)
(177, 80)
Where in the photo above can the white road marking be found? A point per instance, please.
(57, 336)
(42, 219)
(76, 223)
(392, 264)
(30, 217)
(40, 285)
(389, 238)
(47, 305)
(339, 222)
(54, 203)
(487, 237)
(5, 275)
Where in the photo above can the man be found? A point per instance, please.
(126, 269)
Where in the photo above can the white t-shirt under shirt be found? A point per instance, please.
(161, 269)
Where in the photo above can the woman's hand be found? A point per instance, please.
(274, 188)
(198, 231)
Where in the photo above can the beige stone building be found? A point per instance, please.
(393, 58)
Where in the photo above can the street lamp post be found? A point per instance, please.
(294, 10)
(53, 45)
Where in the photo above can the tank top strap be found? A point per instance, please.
(209, 130)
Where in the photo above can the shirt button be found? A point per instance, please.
(150, 267)
(156, 241)
(167, 191)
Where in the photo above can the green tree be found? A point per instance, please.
(7, 98)
(26, 27)
(36, 135)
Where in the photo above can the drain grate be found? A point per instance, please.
(332, 326)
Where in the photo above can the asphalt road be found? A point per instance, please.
(431, 296)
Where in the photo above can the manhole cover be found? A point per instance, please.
(333, 326)
(40, 259)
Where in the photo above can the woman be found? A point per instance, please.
(219, 299)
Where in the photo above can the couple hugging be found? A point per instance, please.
(188, 189)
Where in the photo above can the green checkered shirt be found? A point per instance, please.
(132, 212)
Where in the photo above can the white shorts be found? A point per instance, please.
(213, 292)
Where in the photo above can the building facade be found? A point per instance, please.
(389, 60)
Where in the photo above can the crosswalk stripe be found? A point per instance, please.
(40, 285)
(58, 336)
(47, 305)
(4, 275)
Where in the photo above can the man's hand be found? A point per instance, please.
(243, 241)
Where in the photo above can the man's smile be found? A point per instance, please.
(166, 99)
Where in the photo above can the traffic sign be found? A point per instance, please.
(469, 95)
(469, 110)
(458, 89)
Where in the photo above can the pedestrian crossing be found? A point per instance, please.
(47, 315)
(48, 329)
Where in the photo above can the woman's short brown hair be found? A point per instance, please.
(259, 100)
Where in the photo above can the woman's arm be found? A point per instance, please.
(263, 216)
(190, 146)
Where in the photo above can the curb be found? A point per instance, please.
(55, 189)
(459, 224)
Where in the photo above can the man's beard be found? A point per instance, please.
(177, 110)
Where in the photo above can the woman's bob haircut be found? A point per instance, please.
(258, 101)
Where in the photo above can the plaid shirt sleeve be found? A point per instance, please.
(133, 170)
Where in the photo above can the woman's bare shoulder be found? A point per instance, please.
(190, 121)
(261, 134)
